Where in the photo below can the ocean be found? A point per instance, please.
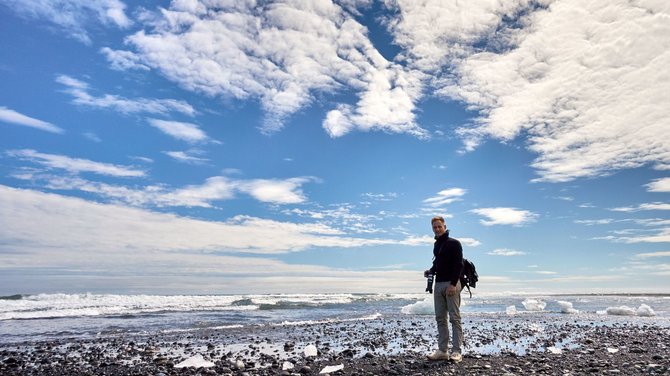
(43, 317)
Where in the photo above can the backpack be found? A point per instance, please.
(469, 277)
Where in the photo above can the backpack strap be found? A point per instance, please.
(464, 285)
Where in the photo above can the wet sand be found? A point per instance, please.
(384, 346)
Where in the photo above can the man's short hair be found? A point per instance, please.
(437, 218)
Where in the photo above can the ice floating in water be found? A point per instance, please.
(195, 361)
(511, 310)
(425, 307)
(286, 366)
(554, 350)
(566, 307)
(310, 350)
(534, 304)
(612, 350)
(329, 369)
(643, 310)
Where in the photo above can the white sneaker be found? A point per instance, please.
(456, 357)
(439, 355)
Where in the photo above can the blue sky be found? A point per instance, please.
(243, 147)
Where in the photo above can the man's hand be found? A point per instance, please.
(425, 273)
(452, 290)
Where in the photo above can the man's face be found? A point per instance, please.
(439, 228)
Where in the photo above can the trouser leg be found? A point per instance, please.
(454, 308)
(441, 312)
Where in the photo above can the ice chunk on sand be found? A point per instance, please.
(566, 307)
(310, 350)
(620, 311)
(554, 350)
(195, 361)
(511, 310)
(534, 304)
(330, 369)
(286, 366)
(612, 350)
(645, 310)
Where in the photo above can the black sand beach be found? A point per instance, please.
(503, 346)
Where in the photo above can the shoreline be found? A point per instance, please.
(385, 346)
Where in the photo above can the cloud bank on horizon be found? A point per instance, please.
(579, 87)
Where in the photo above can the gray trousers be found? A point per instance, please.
(448, 306)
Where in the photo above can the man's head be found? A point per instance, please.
(439, 228)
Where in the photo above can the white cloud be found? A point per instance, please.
(444, 197)
(74, 16)
(661, 235)
(645, 206)
(381, 196)
(92, 136)
(41, 226)
(591, 222)
(659, 185)
(10, 116)
(183, 131)
(186, 157)
(645, 256)
(505, 216)
(123, 60)
(75, 165)
(80, 91)
(433, 33)
(506, 252)
(585, 82)
(217, 188)
(282, 54)
(276, 191)
(470, 242)
(343, 217)
(159, 252)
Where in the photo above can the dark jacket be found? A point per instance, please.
(447, 259)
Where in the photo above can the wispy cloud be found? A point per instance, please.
(642, 207)
(505, 216)
(73, 16)
(10, 116)
(214, 189)
(644, 256)
(470, 242)
(343, 217)
(659, 185)
(75, 165)
(445, 197)
(592, 222)
(182, 131)
(632, 236)
(80, 91)
(187, 157)
(506, 252)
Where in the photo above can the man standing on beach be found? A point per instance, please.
(447, 268)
